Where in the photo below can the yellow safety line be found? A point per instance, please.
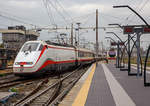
(83, 93)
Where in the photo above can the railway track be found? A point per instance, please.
(6, 76)
(66, 87)
(17, 80)
(8, 79)
(12, 80)
(47, 93)
(12, 83)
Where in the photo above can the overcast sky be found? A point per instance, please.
(64, 12)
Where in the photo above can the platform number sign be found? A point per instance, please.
(146, 30)
(134, 29)
(113, 43)
(117, 43)
(128, 30)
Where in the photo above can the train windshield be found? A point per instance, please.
(30, 47)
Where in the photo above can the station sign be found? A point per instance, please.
(121, 43)
(136, 28)
(115, 43)
(128, 30)
(146, 30)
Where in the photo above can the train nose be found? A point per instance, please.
(21, 68)
(23, 63)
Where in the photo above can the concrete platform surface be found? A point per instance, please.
(106, 85)
(133, 85)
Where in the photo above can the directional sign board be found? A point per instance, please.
(121, 43)
(146, 30)
(128, 30)
(115, 43)
(136, 28)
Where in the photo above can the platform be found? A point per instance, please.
(106, 85)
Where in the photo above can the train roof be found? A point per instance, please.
(67, 45)
(59, 44)
(84, 49)
(63, 45)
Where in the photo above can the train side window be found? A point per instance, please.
(41, 47)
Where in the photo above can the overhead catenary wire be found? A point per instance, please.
(55, 7)
(132, 16)
(140, 9)
(127, 18)
(87, 19)
(49, 12)
(60, 4)
(14, 16)
(112, 16)
(79, 18)
(9, 16)
(144, 4)
(17, 20)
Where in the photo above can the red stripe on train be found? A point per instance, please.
(58, 62)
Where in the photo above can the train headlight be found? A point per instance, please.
(23, 63)
(29, 63)
(17, 63)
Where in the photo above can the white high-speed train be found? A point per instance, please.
(38, 57)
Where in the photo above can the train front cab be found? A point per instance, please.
(27, 58)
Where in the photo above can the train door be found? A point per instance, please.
(56, 57)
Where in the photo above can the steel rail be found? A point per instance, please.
(34, 96)
(62, 94)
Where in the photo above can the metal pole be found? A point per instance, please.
(78, 31)
(96, 33)
(78, 35)
(138, 54)
(117, 55)
(75, 38)
(71, 34)
(129, 55)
